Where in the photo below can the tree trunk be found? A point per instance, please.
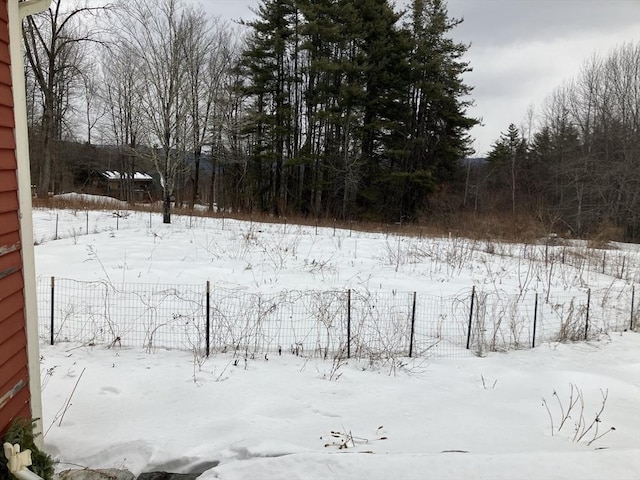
(166, 207)
(45, 168)
(213, 182)
(196, 177)
(44, 183)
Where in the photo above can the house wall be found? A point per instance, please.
(14, 365)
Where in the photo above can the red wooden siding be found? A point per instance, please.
(14, 376)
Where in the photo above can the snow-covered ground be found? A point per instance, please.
(480, 418)
(124, 246)
(273, 417)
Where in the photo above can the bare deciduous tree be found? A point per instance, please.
(154, 33)
(121, 93)
(53, 48)
(593, 144)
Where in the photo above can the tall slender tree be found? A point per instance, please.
(385, 50)
(155, 34)
(53, 47)
(506, 158)
(269, 79)
(439, 99)
(122, 91)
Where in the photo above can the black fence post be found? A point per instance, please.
(349, 323)
(473, 297)
(535, 321)
(208, 334)
(586, 323)
(633, 298)
(413, 325)
(53, 289)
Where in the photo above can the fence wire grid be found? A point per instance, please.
(326, 324)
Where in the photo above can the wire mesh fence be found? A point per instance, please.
(350, 323)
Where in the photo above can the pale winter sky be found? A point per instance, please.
(520, 49)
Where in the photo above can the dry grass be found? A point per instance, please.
(518, 228)
(501, 227)
(99, 203)
(600, 238)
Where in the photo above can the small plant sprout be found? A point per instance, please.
(335, 371)
(63, 411)
(484, 383)
(583, 431)
(343, 439)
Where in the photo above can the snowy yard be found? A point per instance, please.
(239, 416)
(273, 419)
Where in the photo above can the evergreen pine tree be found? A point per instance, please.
(366, 115)
(506, 158)
(439, 99)
(268, 81)
(385, 51)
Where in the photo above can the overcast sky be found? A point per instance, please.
(520, 49)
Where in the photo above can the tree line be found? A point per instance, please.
(345, 108)
(348, 109)
(577, 169)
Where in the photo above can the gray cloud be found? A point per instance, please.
(522, 49)
(496, 22)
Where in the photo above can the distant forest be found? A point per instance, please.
(346, 109)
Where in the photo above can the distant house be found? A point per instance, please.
(19, 354)
(113, 183)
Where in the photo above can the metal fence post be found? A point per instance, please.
(413, 325)
(633, 297)
(473, 296)
(208, 334)
(586, 323)
(53, 281)
(535, 321)
(87, 222)
(349, 323)
(56, 236)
